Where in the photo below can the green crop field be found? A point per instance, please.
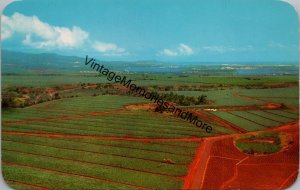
(290, 114)
(248, 145)
(220, 97)
(270, 116)
(241, 122)
(288, 96)
(290, 92)
(259, 119)
(222, 80)
(50, 80)
(143, 80)
(90, 140)
(69, 106)
(253, 120)
(141, 164)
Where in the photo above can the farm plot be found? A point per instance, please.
(102, 145)
(240, 121)
(123, 123)
(222, 80)
(48, 80)
(258, 119)
(288, 96)
(36, 160)
(221, 97)
(70, 106)
(270, 116)
(289, 114)
(151, 80)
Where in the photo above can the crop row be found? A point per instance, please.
(72, 106)
(121, 162)
(258, 119)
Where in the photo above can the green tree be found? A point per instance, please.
(201, 99)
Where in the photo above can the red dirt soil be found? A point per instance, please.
(121, 87)
(220, 165)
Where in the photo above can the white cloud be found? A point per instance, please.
(182, 50)
(168, 52)
(108, 49)
(44, 34)
(185, 50)
(39, 34)
(5, 30)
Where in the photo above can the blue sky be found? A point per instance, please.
(163, 30)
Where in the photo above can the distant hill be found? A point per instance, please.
(19, 62)
(15, 62)
(29, 63)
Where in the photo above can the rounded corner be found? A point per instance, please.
(292, 6)
(291, 185)
(3, 183)
(6, 4)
